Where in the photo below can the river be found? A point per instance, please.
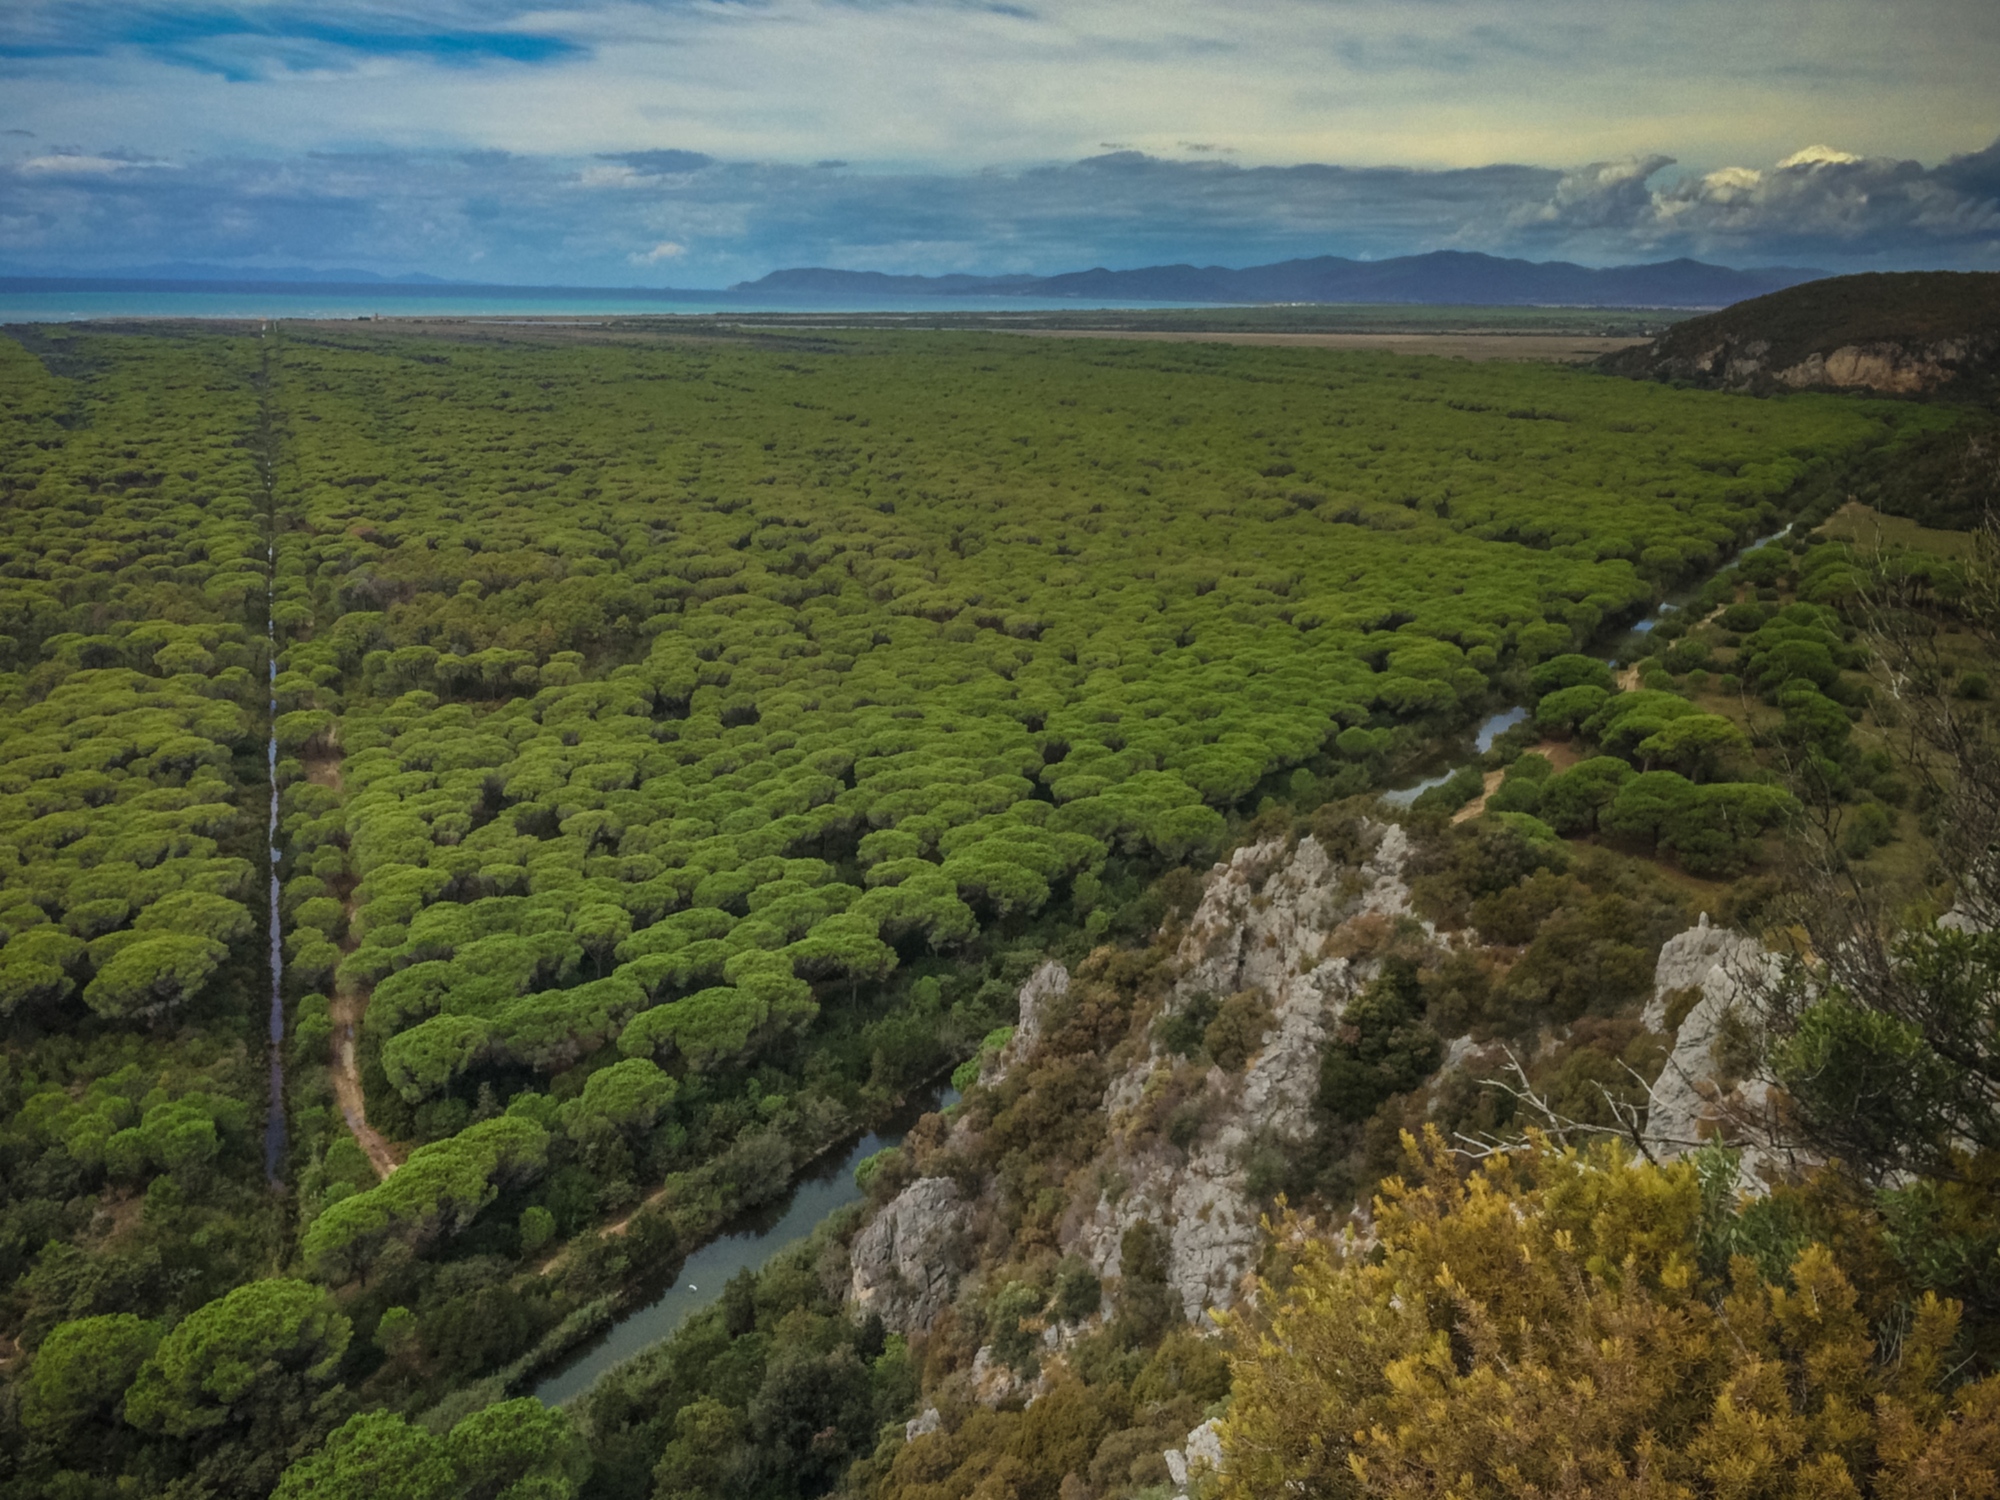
(1490, 729)
(747, 1244)
(1623, 645)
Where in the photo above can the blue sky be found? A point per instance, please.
(700, 142)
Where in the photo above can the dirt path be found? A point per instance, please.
(323, 769)
(347, 1013)
(1477, 805)
(1559, 753)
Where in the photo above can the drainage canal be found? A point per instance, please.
(751, 1241)
(274, 1122)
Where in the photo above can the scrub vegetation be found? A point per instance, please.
(686, 748)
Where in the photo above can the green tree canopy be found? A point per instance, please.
(257, 1345)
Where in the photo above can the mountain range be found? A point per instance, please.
(1441, 277)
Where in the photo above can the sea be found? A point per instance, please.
(347, 302)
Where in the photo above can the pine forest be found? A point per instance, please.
(484, 808)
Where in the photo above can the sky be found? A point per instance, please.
(699, 143)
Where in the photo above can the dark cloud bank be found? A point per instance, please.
(668, 217)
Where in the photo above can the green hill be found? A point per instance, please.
(1908, 332)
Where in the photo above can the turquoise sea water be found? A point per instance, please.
(82, 306)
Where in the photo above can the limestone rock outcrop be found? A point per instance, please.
(1264, 923)
(1708, 990)
(1199, 1456)
(906, 1263)
(1905, 368)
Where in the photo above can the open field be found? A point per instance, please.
(1870, 530)
(1473, 343)
(1565, 348)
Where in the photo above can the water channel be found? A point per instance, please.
(1622, 646)
(274, 1122)
(1490, 729)
(747, 1244)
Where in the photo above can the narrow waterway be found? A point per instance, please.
(826, 1185)
(274, 1121)
(1490, 729)
(1625, 644)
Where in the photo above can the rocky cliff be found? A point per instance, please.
(1267, 930)
(1754, 364)
(1285, 926)
(1905, 334)
(906, 1263)
(1265, 925)
(1102, 1114)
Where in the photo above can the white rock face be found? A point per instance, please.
(1199, 1455)
(994, 1381)
(1204, 1447)
(1693, 1099)
(1880, 367)
(908, 1260)
(1263, 924)
(1906, 366)
(1690, 959)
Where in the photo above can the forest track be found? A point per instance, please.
(1559, 753)
(346, 1009)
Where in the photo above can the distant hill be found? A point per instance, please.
(1905, 332)
(1921, 333)
(1441, 278)
(816, 282)
(1452, 277)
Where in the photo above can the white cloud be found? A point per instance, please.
(1818, 156)
(942, 85)
(77, 164)
(1817, 206)
(665, 250)
(1602, 194)
(1729, 183)
(614, 175)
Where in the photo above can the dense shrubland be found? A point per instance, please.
(686, 749)
(1552, 1320)
(1559, 1322)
